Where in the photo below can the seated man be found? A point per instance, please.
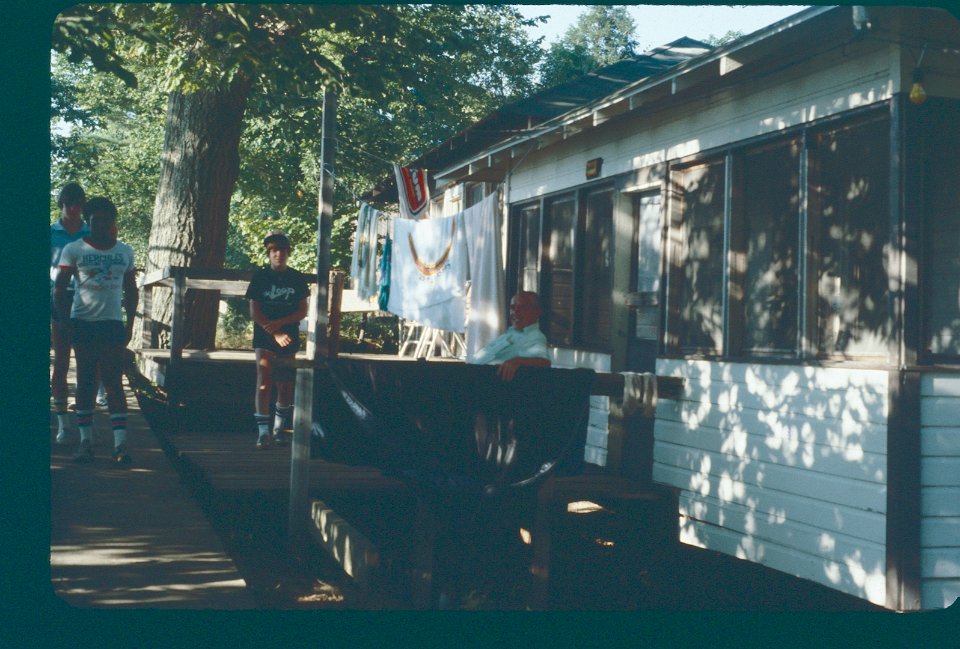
(522, 344)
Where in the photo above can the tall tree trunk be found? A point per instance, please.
(198, 172)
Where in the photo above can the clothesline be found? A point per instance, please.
(373, 155)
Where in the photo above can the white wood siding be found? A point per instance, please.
(782, 465)
(940, 489)
(791, 97)
(598, 429)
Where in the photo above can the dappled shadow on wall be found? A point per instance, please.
(786, 466)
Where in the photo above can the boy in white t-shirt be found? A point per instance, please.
(105, 289)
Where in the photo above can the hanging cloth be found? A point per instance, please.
(363, 266)
(383, 296)
(413, 190)
(487, 300)
(428, 272)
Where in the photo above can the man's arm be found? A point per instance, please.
(131, 296)
(60, 297)
(508, 369)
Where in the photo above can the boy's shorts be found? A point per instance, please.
(263, 340)
(99, 333)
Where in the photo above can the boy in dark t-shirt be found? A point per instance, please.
(278, 302)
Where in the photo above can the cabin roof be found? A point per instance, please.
(559, 99)
(482, 151)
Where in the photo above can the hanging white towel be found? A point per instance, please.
(363, 266)
(487, 300)
(428, 272)
(413, 189)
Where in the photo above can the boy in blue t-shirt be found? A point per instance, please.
(278, 302)
(68, 228)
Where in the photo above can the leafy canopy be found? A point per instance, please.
(602, 35)
(409, 77)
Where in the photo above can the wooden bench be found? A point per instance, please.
(649, 509)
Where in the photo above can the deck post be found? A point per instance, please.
(338, 279)
(306, 400)
(148, 338)
(177, 321)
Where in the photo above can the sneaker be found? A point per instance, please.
(263, 442)
(120, 455)
(102, 402)
(63, 437)
(84, 453)
(279, 438)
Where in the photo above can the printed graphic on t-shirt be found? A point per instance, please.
(99, 278)
(279, 293)
(101, 271)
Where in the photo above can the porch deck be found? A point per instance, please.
(389, 543)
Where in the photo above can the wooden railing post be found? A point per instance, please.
(147, 334)
(337, 279)
(177, 321)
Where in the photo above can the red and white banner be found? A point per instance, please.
(413, 190)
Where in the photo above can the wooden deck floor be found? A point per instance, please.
(229, 461)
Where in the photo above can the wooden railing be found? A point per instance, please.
(231, 283)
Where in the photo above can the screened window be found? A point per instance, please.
(779, 279)
(564, 252)
(597, 277)
(697, 263)
(646, 280)
(473, 194)
(849, 216)
(941, 256)
(557, 293)
(764, 251)
(528, 246)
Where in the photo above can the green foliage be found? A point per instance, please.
(373, 335)
(89, 33)
(717, 41)
(235, 326)
(602, 35)
(107, 136)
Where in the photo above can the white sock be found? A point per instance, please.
(281, 417)
(263, 424)
(119, 422)
(63, 416)
(85, 424)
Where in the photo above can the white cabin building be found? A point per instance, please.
(777, 221)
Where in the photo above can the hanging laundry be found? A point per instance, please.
(428, 272)
(383, 296)
(413, 190)
(363, 266)
(487, 300)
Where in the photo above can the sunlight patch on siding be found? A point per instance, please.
(827, 543)
(832, 572)
(777, 516)
(700, 482)
(730, 490)
(873, 583)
